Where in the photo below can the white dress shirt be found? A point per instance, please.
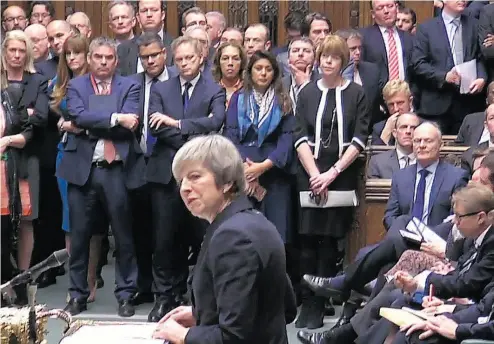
(140, 68)
(450, 30)
(99, 150)
(399, 48)
(485, 137)
(356, 77)
(193, 83)
(401, 158)
(428, 187)
(147, 91)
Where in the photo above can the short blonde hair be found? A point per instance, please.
(475, 197)
(396, 86)
(334, 45)
(187, 40)
(218, 154)
(19, 35)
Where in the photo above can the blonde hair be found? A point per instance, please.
(396, 86)
(475, 197)
(334, 45)
(18, 35)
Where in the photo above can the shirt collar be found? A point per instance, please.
(448, 18)
(401, 154)
(431, 168)
(162, 77)
(193, 82)
(384, 28)
(99, 81)
(481, 237)
(491, 144)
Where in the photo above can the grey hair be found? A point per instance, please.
(346, 34)
(218, 154)
(102, 41)
(435, 125)
(198, 28)
(187, 40)
(304, 39)
(218, 15)
(84, 15)
(121, 2)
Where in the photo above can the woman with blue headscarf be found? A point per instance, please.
(260, 123)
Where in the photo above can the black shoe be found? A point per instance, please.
(315, 318)
(301, 320)
(348, 312)
(46, 279)
(321, 286)
(75, 307)
(100, 283)
(343, 334)
(180, 300)
(311, 337)
(329, 308)
(126, 309)
(141, 298)
(159, 310)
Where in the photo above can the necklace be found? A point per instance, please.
(326, 143)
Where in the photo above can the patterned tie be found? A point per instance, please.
(150, 139)
(109, 151)
(185, 95)
(457, 48)
(467, 264)
(406, 159)
(393, 64)
(418, 205)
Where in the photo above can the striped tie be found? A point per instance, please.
(393, 65)
(467, 264)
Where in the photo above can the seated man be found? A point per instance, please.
(398, 99)
(467, 158)
(383, 165)
(434, 182)
(473, 131)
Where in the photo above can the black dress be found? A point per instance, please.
(334, 139)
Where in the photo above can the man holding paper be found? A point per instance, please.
(447, 62)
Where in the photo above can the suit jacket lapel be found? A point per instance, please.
(466, 37)
(379, 39)
(441, 29)
(436, 186)
(176, 90)
(133, 51)
(401, 34)
(196, 96)
(26, 90)
(395, 164)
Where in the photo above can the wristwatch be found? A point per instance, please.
(337, 168)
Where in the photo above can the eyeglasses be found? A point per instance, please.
(40, 15)
(467, 214)
(11, 19)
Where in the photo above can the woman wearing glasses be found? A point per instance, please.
(333, 118)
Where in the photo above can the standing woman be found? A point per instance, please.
(15, 131)
(28, 92)
(228, 68)
(260, 123)
(73, 63)
(333, 119)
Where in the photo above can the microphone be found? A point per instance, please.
(57, 258)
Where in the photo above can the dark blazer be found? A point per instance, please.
(471, 129)
(467, 157)
(128, 53)
(474, 8)
(377, 130)
(486, 26)
(48, 68)
(75, 166)
(140, 79)
(383, 165)
(471, 284)
(241, 259)
(432, 60)
(205, 114)
(373, 82)
(374, 49)
(446, 180)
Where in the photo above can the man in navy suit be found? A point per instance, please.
(182, 107)
(101, 164)
(153, 55)
(434, 182)
(441, 44)
(384, 44)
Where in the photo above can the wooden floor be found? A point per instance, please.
(105, 307)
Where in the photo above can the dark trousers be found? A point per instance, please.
(48, 233)
(104, 192)
(175, 231)
(142, 228)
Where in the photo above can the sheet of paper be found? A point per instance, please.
(399, 317)
(468, 73)
(114, 334)
(335, 199)
(418, 227)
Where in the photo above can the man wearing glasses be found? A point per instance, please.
(41, 12)
(14, 18)
(39, 37)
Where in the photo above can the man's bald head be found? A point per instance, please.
(58, 31)
(39, 37)
(82, 22)
(14, 18)
(427, 141)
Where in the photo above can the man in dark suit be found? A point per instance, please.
(202, 36)
(441, 44)
(366, 74)
(201, 111)
(434, 182)
(384, 44)
(486, 37)
(293, 29)
(151, 16)
(474, 7)
(153, 53)
(473, 131)
(101, 164)
(385, 164)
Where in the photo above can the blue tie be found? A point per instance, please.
(418, 205)
(150, 139)
(185, 96)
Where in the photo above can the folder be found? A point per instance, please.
(335, 199)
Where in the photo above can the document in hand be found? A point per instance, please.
(418, 231)
(403, 317)
(468, 73)
(335, 199)
(114, 334)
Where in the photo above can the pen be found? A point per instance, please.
(431, 292)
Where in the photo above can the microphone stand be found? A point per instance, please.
(32, 288)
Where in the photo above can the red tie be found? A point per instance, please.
(393, 65)
(109, 151)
